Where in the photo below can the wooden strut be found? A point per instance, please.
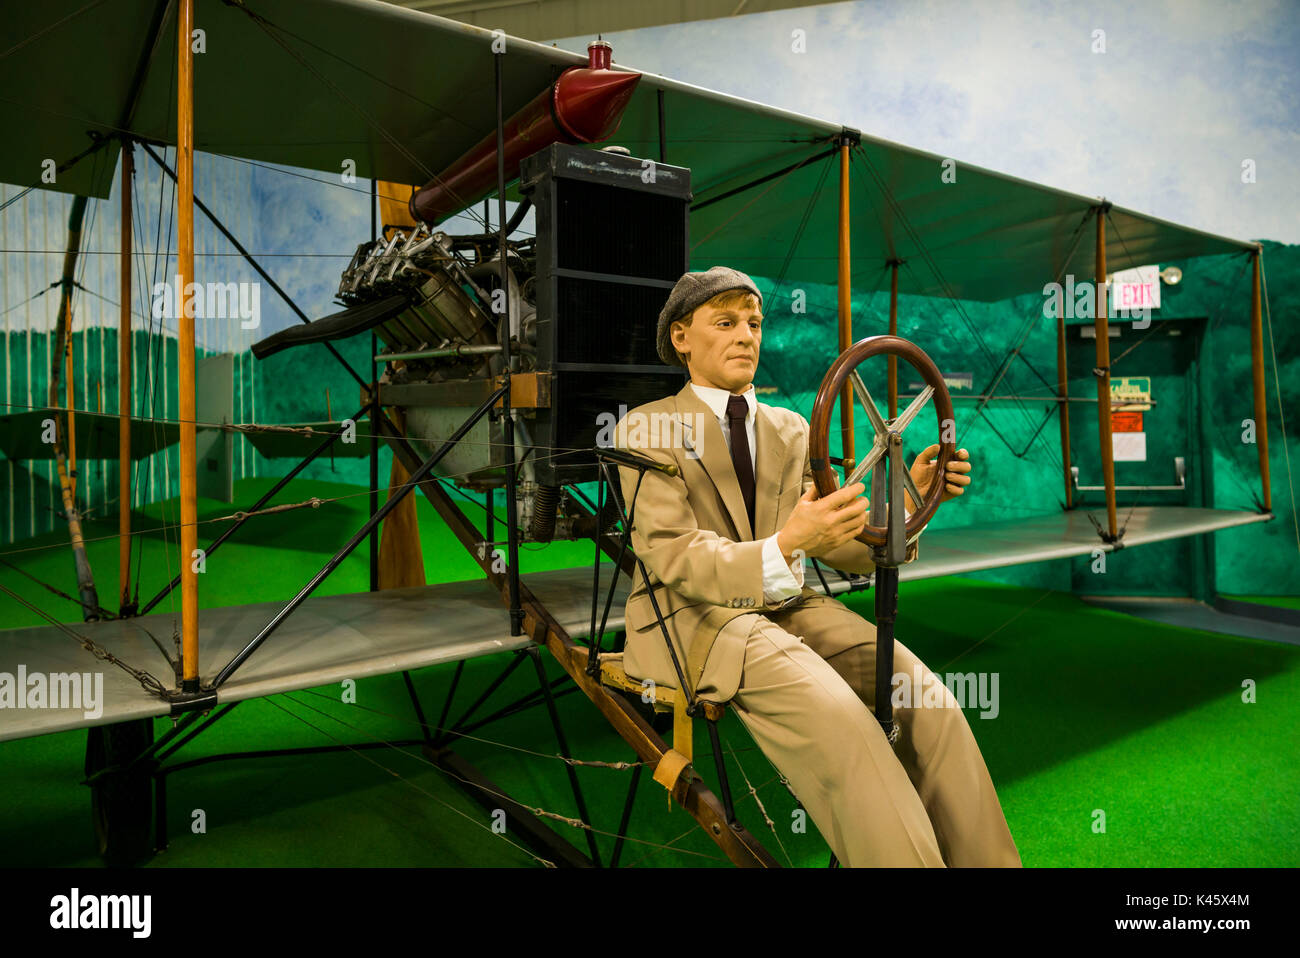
(70, 404)
(689, 790)
(1257, 378)
(1102, 373)
(124, 345)
(401, 559)
(893, 331)
(1063, 393)
(845, 301)
(61, 356)
(189, 532)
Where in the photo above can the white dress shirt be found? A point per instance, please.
(780, 581)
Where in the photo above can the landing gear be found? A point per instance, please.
(121, 795)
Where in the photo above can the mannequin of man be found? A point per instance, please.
(725, 554)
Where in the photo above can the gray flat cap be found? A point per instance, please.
(691, 291)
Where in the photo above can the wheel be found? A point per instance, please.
(888, 434)
(121, 802)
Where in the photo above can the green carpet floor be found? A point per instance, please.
(1102, 718)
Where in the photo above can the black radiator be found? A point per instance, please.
(612, 238)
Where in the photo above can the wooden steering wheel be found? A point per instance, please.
(888, 434)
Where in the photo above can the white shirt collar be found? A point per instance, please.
(717, 399)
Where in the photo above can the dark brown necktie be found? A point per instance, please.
(737, 411)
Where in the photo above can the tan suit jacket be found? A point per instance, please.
(693, 534)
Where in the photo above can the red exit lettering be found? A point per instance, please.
(1135, 295)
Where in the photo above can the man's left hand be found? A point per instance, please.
(956, 475)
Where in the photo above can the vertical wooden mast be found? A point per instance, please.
(69, 404)
(1063, 409)
(1257, 376)
(846, 299)
(1102, 372)
(58, 355)
(893, 331)
(124, 387)
(185, 345)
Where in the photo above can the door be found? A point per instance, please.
(1160, 453)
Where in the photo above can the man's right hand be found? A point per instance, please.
(817, 526)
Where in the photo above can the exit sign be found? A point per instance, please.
(1135, 289)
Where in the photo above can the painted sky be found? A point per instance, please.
(1161, 122)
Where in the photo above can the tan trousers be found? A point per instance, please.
(807, 697)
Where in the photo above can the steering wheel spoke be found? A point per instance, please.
(869, 405)
(912, 409)
(910, 485)
(868, 461)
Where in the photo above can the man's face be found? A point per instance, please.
(721, 345)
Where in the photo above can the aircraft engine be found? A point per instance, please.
(583, 297)
(444, 349)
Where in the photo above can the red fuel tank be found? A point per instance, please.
(584, 105)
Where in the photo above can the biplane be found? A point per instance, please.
(498, 357)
